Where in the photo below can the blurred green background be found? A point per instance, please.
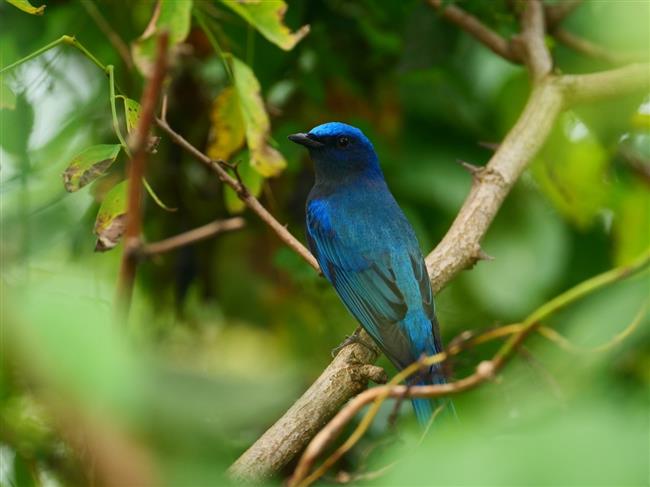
(224, 335)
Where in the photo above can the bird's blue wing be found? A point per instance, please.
(366, 284)
(424, 284)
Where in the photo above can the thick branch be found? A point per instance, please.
(192, 236)
(249, 200)
(476, 28)
(136, 173)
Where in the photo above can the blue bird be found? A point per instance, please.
(368, 250)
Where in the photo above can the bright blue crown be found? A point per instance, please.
(338, 129)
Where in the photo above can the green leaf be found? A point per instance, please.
(173, 16)
(251, 179)
(265, 159)
(227, 130)
(25, 6)
(111, 218)
(131, 113)
(267, 16)
(7, 97)
(90, 164)
(572, 171)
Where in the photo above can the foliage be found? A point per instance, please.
(224, 334)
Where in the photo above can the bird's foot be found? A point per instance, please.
(354, 338)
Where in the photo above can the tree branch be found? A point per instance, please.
(113, 37)
(460, 247)
(192, 236)
(136, 172)
(555, 14)
(242, 192)
(581, 88)
(532, 43)
(588, 48)
(473, 26)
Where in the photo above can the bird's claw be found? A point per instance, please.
(349, 340)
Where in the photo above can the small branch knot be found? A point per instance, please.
(486, 369)
(374, 373)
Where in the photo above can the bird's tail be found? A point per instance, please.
(424, 408)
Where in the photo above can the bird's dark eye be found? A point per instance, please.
(343, 142)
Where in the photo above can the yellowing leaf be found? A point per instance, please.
(132, 113)
(266, 160)
(227, 131)
(25, 6)
(111, 218)
(175, 17)
(7, 97)
(267, 16)
(87, 166)
(251, 179)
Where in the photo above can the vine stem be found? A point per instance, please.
(65, 39)
(116, 122)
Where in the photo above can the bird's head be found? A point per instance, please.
(339, 151)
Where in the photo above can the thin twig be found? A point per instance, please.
(590, 49)
(555, 14)
(565, 344)
(476, 28)
(192, 236)
(136, 173)
(105, 27)
(533, 46)
(249, 200)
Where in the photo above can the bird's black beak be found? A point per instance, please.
(307, 140)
